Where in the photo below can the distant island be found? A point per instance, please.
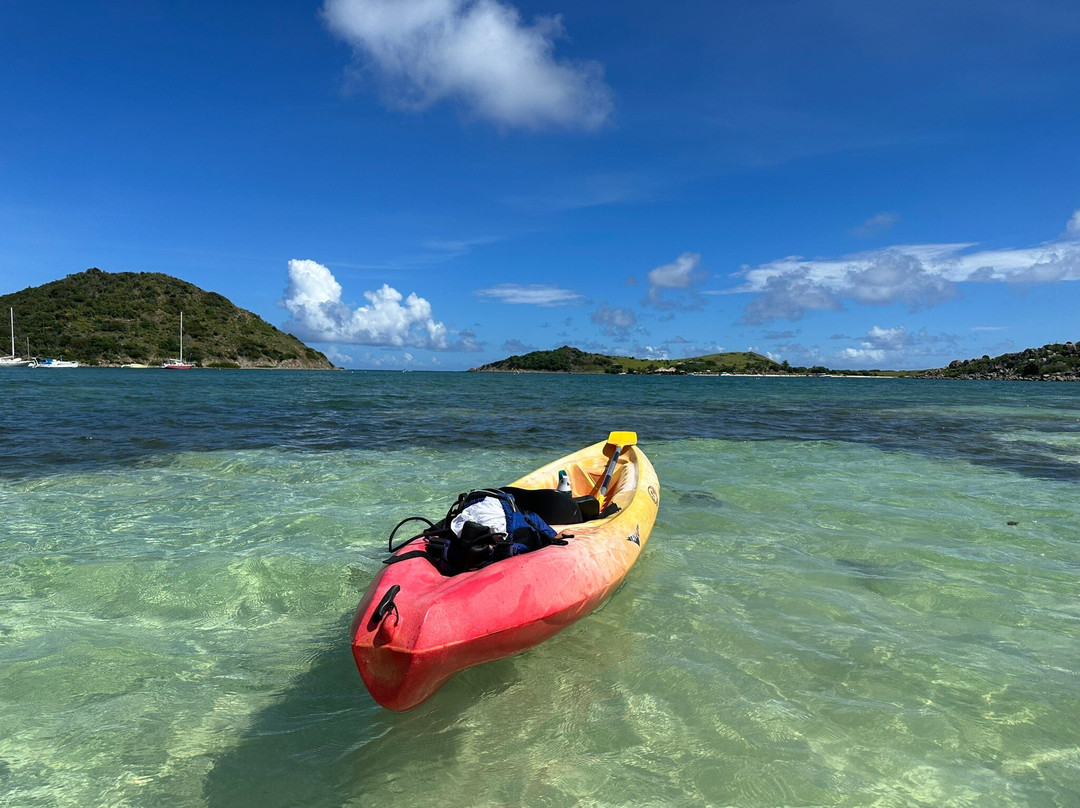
(111, 319)
(573, 360)
(1054, 362)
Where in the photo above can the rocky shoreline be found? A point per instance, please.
(1058, 362)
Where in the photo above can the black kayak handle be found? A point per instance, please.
(386, 605)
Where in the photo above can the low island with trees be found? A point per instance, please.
(1053, 362)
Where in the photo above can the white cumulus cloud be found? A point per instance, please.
(1073, 225)
(317, 313)
(917, 275)
(863, 354)
(898, 345)
(684, 273)
(479, 53)
(893, 338)
(651, 351)
(534, 294)
(895, 276)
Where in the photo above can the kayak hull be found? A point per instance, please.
(441, 625)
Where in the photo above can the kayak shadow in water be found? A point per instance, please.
(325, 739)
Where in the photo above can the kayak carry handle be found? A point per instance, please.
(386, 605)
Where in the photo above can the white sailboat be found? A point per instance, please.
(13, 361)
(178, 364)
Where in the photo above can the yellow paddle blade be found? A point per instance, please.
(616, 442)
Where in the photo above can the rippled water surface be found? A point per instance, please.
(834, 608)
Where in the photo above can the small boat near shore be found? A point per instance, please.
(13, 361)
(178, 364)
(38, 362)
(419, 623)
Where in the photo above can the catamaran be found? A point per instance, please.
(13, 361)
(178, 364)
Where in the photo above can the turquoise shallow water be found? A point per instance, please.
(832, 608)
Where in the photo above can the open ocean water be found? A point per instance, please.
(832, 610)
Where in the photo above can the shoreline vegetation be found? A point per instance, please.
(1053, 362)
(105, 319)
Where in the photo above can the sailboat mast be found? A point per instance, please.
(181, 338)
(12, 312)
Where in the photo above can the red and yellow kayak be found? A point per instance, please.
(441, 624)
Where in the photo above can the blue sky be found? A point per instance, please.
(440, 183)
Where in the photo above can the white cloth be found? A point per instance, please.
(487, 512)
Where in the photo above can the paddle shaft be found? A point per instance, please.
(608, 474)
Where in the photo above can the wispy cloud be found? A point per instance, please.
(531, 294)
(434, 251)
(588, 191)
(318, 314)
(615, 322)
(338, 357)
(680, 346)
(875, 225)
(516, 346)
(478, 53)
(392, 359)
(451, 248)
(467, 341)
(918, 275)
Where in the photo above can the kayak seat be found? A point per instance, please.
(554, 507)
(589, 507)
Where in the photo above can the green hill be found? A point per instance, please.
(560, 360)
(1059, 361)
(102, 318)
(573, 360)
